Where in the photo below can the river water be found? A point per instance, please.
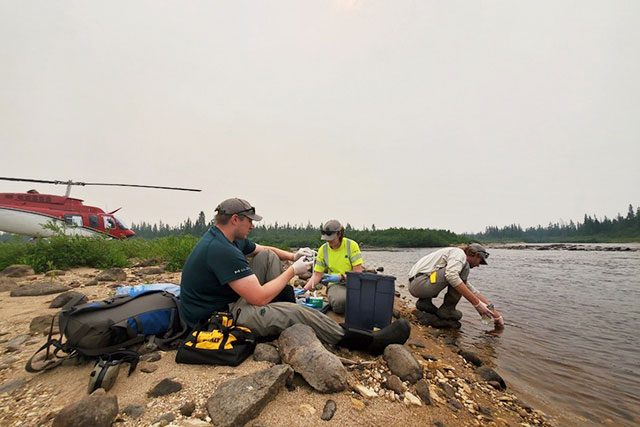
(571, 342)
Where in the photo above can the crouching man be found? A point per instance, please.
(218, 277)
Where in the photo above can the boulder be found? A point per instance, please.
(7, 284)
(112, 275)
(266, 352)
(97, 410)
(300, 348)
(402, 363)
(66, 297)
(471, 357)
(491, 376)
(17, 270)
(237, 401)
(39, 288)
(41, 324)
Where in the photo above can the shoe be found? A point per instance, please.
(426, 305)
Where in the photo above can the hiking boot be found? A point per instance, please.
(448, 310)
(375, 342)
(426, 305)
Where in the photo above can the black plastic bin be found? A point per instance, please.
(369, 300)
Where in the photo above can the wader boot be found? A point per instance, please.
(426, 305)
(375, 342)
(448, 310)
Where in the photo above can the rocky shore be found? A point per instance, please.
(564, 247)
(428, 381)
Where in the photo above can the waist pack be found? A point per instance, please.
(116, 323)
(219, 341)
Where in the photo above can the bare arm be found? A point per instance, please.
(283, 255)
(474, 299)
(250, 289)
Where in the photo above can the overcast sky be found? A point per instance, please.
(438, 114)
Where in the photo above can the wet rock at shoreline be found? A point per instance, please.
(471, 357)
(402, 363)
(17, 270)
(97, 410)
(114, 274)
(237, 401)
(323, 370)
(64, 298)
(266, 352)
(491, 376)
(39, 288)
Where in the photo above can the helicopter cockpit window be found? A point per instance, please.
(73, 220)
(121, 224)
(109, 223)
(93, 221)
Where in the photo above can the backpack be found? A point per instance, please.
(218, 341)
(108, 326)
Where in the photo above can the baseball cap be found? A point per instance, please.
(330, 229)
(477, 247)
(238, 206)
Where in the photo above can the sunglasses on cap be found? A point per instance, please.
(250, 211)
(485, 255)
(327, 232)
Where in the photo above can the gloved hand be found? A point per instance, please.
(302, 252)
(301, 266)
(328, 278)
(498, 322)
(483, 310)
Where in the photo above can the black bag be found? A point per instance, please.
(116, 323)
(219, 341)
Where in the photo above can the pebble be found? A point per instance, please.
(328, 411)
(411, 399)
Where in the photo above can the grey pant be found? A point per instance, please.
(275, 317)
(422, 287)
(337, 295)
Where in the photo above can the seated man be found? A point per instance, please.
(335, 257)
(218, 277)
(449, 268)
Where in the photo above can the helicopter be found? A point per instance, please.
(44, 215)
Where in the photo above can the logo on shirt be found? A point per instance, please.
(241, 270)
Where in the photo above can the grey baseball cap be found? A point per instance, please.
(477, 247)
(238, 206)
(330, 229)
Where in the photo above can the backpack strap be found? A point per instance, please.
(176, 316)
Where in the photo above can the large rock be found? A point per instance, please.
(471, 357)
(7, 284)
(112, 275)
(402, 363)
(92, 411)
(39, 288)
(17, 270)
(151, 270)
(300, 348)
(430, 319)
(63, 299)
(164, 387)
(237, 401)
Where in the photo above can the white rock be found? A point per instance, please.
(365, 391)
(413, 400)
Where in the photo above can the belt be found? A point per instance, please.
(419, 274)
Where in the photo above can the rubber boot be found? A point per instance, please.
(448, 310)
(375, 342)
(426, 305)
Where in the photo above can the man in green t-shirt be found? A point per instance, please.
(218, 277)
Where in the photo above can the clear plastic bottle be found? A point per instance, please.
(486, 319)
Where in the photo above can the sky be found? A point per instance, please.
(451, 115)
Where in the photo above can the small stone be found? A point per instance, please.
(413, 400)
(188, 408)
(164, 387)
(438, 423)
(168, 418)
(422, 388)
(134, 411)
(358, 404)
(365, 391)
(147, 367)
(150, 357)
(329, 410)
(394, 383)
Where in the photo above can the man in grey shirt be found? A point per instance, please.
(449, 268)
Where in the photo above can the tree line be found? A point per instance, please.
(591, 229)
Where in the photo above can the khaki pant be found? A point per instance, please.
(421, 286)
(275, 317)
(337, 295)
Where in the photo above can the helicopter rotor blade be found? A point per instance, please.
(141, 186)
(43, 181)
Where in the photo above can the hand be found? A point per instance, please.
(498, 322)
(302, 252)
(301, 266)
(482, 309)
(327, 278)
(307, 286)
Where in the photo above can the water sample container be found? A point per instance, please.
(369, 300)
